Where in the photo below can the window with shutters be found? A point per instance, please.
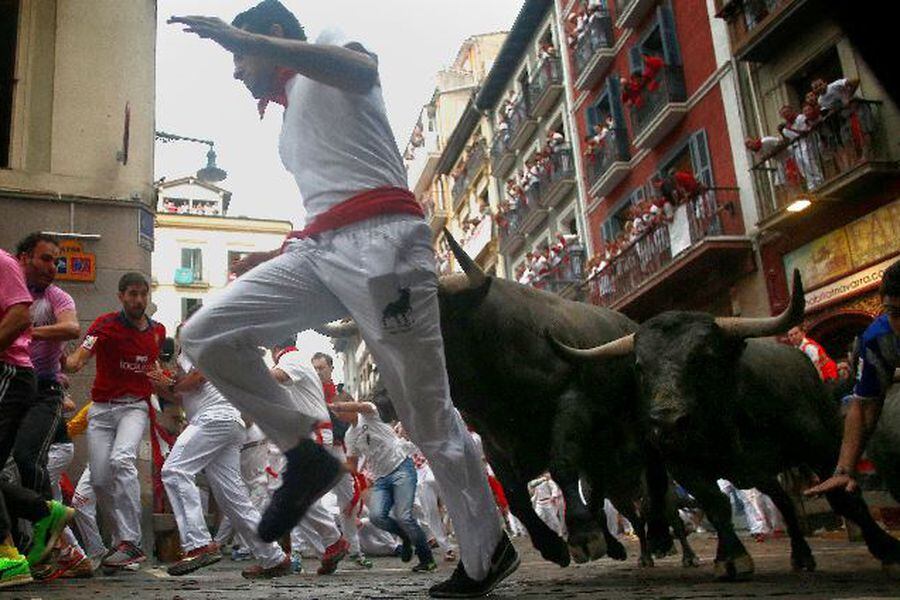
(615, 222)
(192, 258)
(691, 157)
(656, 77)
(9, 27)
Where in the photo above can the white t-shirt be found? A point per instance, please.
(337, 144)
(837, 95)
(374, 439)
(205, 402)
(306, 389)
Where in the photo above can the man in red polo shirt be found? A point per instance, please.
(126, 344)
(365, 252)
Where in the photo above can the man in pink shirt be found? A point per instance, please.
(17, 390)
(54, 321)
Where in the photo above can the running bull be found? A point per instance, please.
(533, 414)
(722, 404)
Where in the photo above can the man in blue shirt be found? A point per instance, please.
(879, 357)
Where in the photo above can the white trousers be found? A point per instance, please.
(762, 515)
(549, 513)
(59, 456)
(213, 446)
(84, 501)
(381, 272)
(114, 434)
(343, 491)
(254, 460)
(317, 529)
(427, 494)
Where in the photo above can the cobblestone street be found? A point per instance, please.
(846, 572)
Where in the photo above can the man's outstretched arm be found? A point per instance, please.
(347, 68)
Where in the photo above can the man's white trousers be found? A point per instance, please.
(114, 434)
(381, 272)
(213, 446)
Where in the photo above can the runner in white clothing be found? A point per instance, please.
(366, 253)
(211, 443)
(298, 375)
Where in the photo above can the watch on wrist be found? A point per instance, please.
(844, 471)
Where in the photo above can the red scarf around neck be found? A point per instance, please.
(279, 95)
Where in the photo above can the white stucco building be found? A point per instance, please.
(197, 241)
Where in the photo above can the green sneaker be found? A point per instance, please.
(14, 571)
(47, 530)
(362, 561)
(425, 567)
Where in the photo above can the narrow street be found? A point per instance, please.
(846, 571)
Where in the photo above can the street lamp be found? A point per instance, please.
(211, 173)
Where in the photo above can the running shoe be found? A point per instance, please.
(406, 551)
(361, 560)
(240, 553)
(425, 567)
(259, 572)
(14, 571)
(126, 556)
(296, 563)
(310, 472)
(503, 563)
(332, 556)
(76, 568)
(196, 559)
(47, 530)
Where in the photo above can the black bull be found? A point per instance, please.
(722, 405)
(528, 405)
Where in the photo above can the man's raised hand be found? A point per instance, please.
(213, 28)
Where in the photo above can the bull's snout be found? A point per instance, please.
(669, 421)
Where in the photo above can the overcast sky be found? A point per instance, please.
(197, 96)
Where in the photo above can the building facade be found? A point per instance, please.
(76, 140)
(539, 218)
(828, 200)
(196, 244)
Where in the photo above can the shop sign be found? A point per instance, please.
(74, 264)
(848, 249)
(847, 286)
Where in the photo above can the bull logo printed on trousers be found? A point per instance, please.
(397, 315)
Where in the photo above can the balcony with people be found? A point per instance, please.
(832, 149)
(589, 33)
(654, 93)
(606, 151)
(466, 171)
(555, 267)
(759, 28)
(435, 214)
(502, 156)
(514, 116)
(547, 82)
(421, 157)
(664, 242)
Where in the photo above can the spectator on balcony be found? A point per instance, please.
(835, 95)
(807, 150)
(555, 140)
(650, 75)
(417, 139)
(547, 51)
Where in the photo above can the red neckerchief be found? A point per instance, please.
(283, 352)
(282, 76)
(330, 391)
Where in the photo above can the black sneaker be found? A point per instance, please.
(310, 472)
(504, 561)
(406, 551)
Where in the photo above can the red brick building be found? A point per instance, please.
(647, 82)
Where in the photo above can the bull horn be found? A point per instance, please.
(475, 273)
(741, 327)
(622, 346)
(338, 329)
